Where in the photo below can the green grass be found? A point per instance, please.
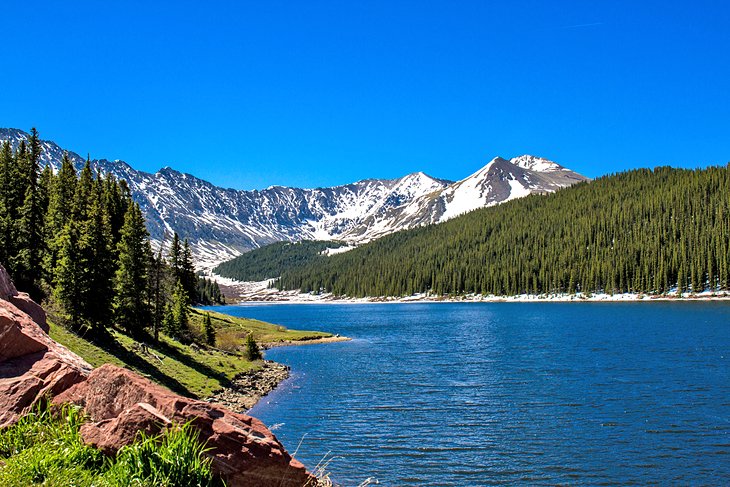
(45, 448)
(263, 332)
(194, 371)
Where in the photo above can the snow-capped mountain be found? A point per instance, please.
(222, 223)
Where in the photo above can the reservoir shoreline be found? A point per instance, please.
(250, 387)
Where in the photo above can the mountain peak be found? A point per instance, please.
(534, 163)
(222, 223)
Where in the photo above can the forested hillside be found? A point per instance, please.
(641, 231)
(271, 260)
(79, 242)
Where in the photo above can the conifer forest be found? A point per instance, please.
(641, 231)
(79, 242)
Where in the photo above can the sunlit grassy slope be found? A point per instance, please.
(190, 370)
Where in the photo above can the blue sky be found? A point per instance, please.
(311, 93)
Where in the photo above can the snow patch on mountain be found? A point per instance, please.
(222, 223)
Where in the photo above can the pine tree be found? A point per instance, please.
(187, 272)
(175, 256)
(100, 258)
(131, 309)
(71, 286)
(6, 221)
(208, 330)
(157, 294)
(168, 321)
(252, 349)
(118, 199)
(60, 202)
(180, 313)
(83, 194)
(30, 231)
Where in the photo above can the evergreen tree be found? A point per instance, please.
(157, 292)
(208, 330)
(118, 199)
(180, 312)
(71, 286)
(131, 309)
(60, 202)
(208, 292)
(252, 349)
(100, 258)
(187, 276)
(83, 194)
(30, 229)
(7, 164)
(175, 257)
(168, 321)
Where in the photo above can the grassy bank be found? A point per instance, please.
(46, 449)
(191, 370)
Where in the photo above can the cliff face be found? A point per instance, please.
(121, 403)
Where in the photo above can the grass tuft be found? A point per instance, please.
(45, 448)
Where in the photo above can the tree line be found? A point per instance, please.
(79, 242)
(271, 260)
(641, 231)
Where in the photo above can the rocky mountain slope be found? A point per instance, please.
(222, 223)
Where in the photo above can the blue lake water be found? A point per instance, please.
(504, 393)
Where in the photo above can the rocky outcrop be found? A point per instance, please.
(32, 365)
(21, 300)
(120, 403)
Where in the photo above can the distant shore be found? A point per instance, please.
(255, 293)
(313, 341)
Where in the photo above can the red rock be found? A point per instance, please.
(7, 288)
(120, 402)
(108, 434)
(24, 381)
(21, 300)
(18, 333)
(32, 365)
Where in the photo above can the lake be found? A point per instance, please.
(504, 393)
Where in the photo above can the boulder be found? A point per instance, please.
(24, 381)
(32, 365)
(21, 301)
(120, 403)
(19, 335)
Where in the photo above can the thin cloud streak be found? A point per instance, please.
(579, 26)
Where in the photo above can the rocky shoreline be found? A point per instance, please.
(247, 388)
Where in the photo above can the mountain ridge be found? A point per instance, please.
(222, 223)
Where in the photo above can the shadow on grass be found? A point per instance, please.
(190, 361)
(111, 345)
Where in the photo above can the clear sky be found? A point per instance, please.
(312, 93)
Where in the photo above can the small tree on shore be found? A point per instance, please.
(252, 349)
